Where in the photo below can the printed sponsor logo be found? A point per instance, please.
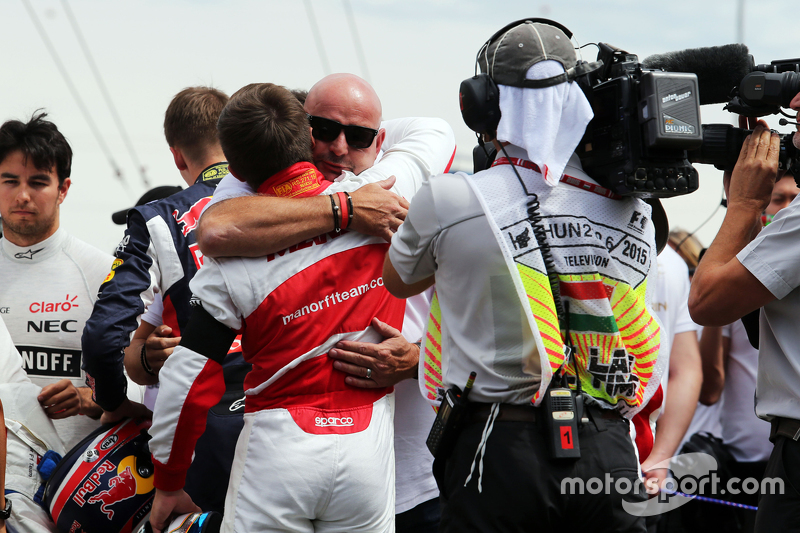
(333, 421)
(123, 243)
(52, 326)
(92, 482)
(75, 527)
(638, 222)
(54, 307)
(237, 405)
(121, 487)
(109, 442)
(674, 97)
(188, 220)
(672, 125)
(117, 262)
(50, 362)
(27, 255)
(283, 189)
(321, 239)
(333, 299)
(5, 310)
(217, 171)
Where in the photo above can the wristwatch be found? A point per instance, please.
(5, 514)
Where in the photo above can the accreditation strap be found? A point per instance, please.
(603, 267)
(565, 178)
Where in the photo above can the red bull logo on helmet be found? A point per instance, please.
(121, 487)
(189, 219)
(93, 482)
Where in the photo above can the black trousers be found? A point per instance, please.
(522, 488)
(781, 512)
(424, 518)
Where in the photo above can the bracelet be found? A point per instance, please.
(345, 210)
(145, 364)
(416, 367)
(349, 208)
(335, 215)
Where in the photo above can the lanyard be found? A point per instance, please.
(569, 180)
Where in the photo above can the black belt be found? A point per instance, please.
(784, 427)
(479, 412)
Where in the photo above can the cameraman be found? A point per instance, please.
(494, 313)
(743, 271)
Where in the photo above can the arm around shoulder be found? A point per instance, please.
(253, 226)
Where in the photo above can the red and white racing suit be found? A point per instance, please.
(314, 454)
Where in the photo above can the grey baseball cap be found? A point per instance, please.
(509, 55)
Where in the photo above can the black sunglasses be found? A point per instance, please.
(327, 130)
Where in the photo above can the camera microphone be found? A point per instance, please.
(718, 68)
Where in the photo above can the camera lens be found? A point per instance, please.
(769, 88)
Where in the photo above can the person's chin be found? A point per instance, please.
(796, 140)
(331, 171)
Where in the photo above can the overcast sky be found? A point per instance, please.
(416, 53)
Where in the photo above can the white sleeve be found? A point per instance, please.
(683, 320)
(229, 187)
(211, 287)
(771, 257)
(414, 149)
(152, 315)
(412, 249)
(10, 361)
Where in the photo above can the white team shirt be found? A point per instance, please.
(772, 259)
(745, 433)
(671, 304)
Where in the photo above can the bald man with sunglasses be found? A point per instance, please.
(349, 141)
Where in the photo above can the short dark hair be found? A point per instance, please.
(301, 95)
(39, 140)
(190, 122)
(263, 130)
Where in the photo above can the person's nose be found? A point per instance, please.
(339, 145)
(23, 195)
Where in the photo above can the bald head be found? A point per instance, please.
(350, 101)
(346, 92)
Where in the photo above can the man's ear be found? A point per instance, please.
(62, 189)
(379, 140)
(233, 173)
(177, 156)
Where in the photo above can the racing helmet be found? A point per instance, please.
(105, 483)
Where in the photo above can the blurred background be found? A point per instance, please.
(106, 71)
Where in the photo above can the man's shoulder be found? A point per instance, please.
(181, 201)
(83, 252)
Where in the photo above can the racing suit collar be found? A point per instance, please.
(35, 252)
(297, 181)
(213, 172)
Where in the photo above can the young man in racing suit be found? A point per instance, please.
(158, 256)
(315, 454)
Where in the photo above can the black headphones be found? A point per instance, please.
(479, 97)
